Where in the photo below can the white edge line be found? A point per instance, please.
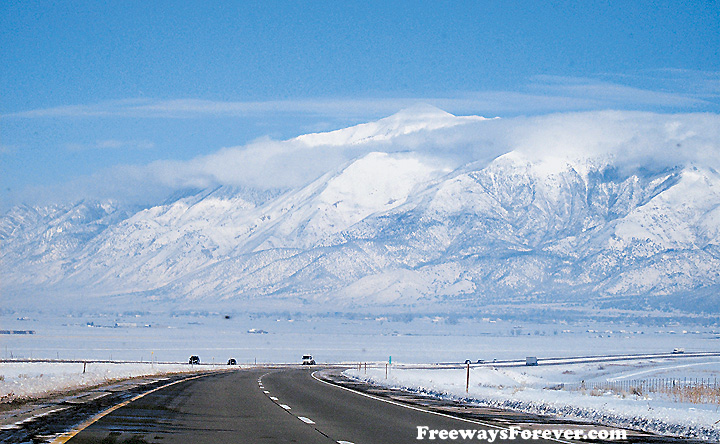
(411, 407)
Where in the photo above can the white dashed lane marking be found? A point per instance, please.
(287, 407)
(306, 420)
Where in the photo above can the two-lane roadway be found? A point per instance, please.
(266, 406)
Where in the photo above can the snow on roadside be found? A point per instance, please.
(28, 380)
(527, 389)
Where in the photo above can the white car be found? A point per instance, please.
(308, 360)
(677, 351)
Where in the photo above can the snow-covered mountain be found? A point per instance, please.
(391, 229)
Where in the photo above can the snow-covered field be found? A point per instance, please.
(27, 380)
(251, 338)
(284, 338)
(536, 390)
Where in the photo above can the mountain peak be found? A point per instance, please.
(416, 118)
(420, 111)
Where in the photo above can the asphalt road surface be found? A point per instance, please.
(267, 406)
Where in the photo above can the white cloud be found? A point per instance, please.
(111, 144)
(609, 95)
(543, 94)
(632, 139)
(694, 83)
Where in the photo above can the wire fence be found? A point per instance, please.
(692, 390)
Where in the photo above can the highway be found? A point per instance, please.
(266, 406)
(275, 405)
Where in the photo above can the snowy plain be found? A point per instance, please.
(168, 340)
(36, 379)
(284, 338)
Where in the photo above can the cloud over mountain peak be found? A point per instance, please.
(418, 208)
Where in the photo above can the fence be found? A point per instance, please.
(692, 390)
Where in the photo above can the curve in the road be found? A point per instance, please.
(258, 406)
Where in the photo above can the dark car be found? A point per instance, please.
(194, 360)
(232, 361)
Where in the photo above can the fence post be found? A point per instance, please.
(467, 379)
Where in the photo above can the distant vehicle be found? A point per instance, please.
(232, 361)
(531, 360)
(308, 360)
(677, 351)
(480, 361)
(194, 360)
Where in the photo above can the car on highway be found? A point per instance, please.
(308, 360)
(232, 361)
(194, 359)
(677, 351)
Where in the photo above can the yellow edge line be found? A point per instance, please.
(65, 437)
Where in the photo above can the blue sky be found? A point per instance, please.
(89, 85)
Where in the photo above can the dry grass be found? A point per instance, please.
(693, 394)
(685, 393)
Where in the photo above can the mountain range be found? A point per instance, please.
(392, 230)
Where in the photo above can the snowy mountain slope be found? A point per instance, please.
(375, 183)
(393, 229)
(408, 121)
(36, 241)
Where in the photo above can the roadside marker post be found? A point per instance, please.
(467, 379)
